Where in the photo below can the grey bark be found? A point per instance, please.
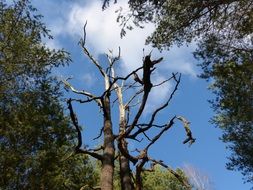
(106, 179)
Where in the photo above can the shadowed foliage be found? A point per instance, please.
(34, 134)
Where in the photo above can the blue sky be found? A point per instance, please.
(208, 155)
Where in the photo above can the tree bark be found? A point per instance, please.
(138, 179)
(125, 172)
(106, 179)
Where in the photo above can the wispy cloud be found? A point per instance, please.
(88, 79)
(103, 33)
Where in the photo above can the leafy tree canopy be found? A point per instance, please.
(161, 179)
(34, 135)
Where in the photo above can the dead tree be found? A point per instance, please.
(115, 144)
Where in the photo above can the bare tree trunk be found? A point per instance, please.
(106, 180)
(138, 179)
(126, 130)
(125, 172)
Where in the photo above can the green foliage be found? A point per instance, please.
(161, 179)
(179, 21)
(34, 134)
(232, 71)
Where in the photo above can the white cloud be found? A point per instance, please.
(180, 59)
(89, 79)
(52, 44)
(103, 33)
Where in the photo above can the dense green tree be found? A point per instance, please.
(157, 178)
(232, 71)
(178, 21)
(161, 179)
(35, 136)
(223, 30)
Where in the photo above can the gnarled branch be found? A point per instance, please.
(78, 148)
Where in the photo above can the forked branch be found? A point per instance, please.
(78, 148)
(88, 54)
(147, 85)
(90, 96)
(141, 130)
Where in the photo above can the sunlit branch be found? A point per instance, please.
(90, 96)
(112, 60)
(127, 88)
(88, 54)
(186, 124)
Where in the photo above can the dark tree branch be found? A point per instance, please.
(100, 134)
(129, 75)
(141, 130)
(144, 134)
(75, 123)
(106, 4)
(85, 101)
(161, 83)
(90, 97)
(125, 153)
(147, 70)
(169, 125)
(147, 124)
(93, 154)
(137, 79)
(78, 148)
(139, 169)
(133, 97)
